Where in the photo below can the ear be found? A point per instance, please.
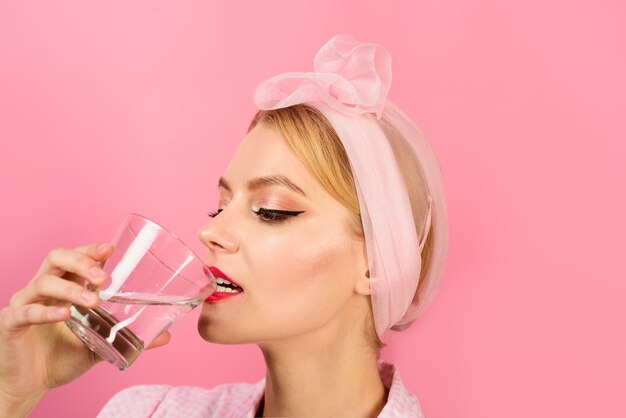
(362, 285)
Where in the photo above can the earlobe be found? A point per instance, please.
(363, 284)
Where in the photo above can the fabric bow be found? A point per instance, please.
(351, 77)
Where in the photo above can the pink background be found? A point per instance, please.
(115, 107)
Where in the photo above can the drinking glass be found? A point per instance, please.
(154, 280)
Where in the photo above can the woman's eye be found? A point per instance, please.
(267, 215)
(214, 214)
(274, 215)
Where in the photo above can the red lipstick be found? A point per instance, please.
(217, 295)
(218, 273)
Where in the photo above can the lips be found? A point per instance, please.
(218, 273)
(215, 296)
(221, 295)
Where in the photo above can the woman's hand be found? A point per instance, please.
(37, 350)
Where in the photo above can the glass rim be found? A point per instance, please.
(137, 215)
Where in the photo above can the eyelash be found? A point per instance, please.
(268, 215)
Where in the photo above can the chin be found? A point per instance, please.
(213, 333)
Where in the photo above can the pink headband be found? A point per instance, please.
(349, 86)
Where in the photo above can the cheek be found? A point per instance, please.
(305, 265)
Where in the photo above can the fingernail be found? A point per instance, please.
(102, 247)
(97, 273)
(59, 312)
(88, 296)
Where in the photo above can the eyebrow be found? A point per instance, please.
(264, 181)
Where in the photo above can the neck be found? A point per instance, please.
(327, 372)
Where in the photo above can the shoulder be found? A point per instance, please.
(140, 401)
(135, 401)
(400, 401)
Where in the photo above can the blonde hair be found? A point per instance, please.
(316, 144)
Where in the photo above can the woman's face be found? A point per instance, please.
(299, 273)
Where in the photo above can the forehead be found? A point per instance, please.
(264, 152)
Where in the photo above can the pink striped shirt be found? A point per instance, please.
(234, 400)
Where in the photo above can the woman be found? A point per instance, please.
(332, 222)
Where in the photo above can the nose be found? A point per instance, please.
(217, 237)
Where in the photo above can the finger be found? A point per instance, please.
(162, 339)
(13, 319)
(53, 287)
(78, 261)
